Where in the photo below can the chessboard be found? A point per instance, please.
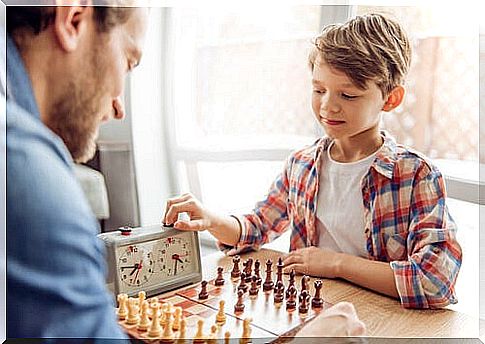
(236, 304)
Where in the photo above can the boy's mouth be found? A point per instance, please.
(331, 121)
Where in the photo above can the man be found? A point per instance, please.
(65, 75)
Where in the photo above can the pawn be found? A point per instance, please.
(221, 316)
(181, 337)
(290, 302)
(219, 281)
(279, 292)
(235, 273)
(246, 333)
(176, 318)
(304, 299)
(199, 335)
(168, 336)
(203, 295)
(122, 306)
(155, 328)
(239, 306)
(242, 283)
(145, 320)
(227, 337)
(317, 301)
(253, 291)
(133, 310)
(213, 335)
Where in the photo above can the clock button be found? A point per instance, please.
(125, 230)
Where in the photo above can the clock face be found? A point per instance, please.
(142, 265)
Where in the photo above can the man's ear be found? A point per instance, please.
(71, 23)
(394, 98)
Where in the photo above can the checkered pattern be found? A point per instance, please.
(406, 219)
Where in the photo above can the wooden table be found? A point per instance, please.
(383, 316)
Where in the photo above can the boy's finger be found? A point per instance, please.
(188, 205)
(172, 201)
(194, 225)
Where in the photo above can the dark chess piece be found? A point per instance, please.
(242, 283)
(279, 292)
(256, 271)
(279, 270)
(249, 269)
(254, 286)
(268, 282)
(317, 301)
(235, 273)
(304, 283)
(290, 301)
(292, 282)
(304, 300)
(239, 306)
(203, 295)
(219, 281)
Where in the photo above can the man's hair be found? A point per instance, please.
(366, 48)
(37, 18)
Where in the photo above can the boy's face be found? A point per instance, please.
(344, 110)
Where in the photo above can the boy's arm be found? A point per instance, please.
(427, 278)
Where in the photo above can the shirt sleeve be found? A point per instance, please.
(267, 221)
(55, 262)
(427, 278)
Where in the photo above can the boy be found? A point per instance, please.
(359, 206)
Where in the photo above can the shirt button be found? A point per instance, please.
(436, 250)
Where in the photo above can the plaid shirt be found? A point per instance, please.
(406, 219)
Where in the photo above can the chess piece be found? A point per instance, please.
(213, 335)
(203, 295)
(122, 306)
(221, 316)
(290, 301)
(279, 270)
(268, 283)
(163, 314)
(176, 318)
(291, 283)
(227, 337)
(246, 332)
(304, 299)
(155, 328)
(219, 281)
(256, 271)
(181, 337)
(304, 283)
(235, 273)
(242, 284)
(144, 320)
(133, 310)
(317, 301)
(141, 297)
(249, 269)
(278, 294)
(199, 335)
(168, 336)
(239, 306)
(253, 291)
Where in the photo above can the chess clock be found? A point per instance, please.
(154, 259)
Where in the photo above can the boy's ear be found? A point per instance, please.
(394, 98)
(70, 23)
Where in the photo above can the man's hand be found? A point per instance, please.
(337, 321)
(313, 261)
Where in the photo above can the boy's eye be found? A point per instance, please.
(319, 91)
(348, 96)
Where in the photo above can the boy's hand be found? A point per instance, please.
(200, 219)
(313, 261)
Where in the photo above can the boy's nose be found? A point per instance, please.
(329, 105)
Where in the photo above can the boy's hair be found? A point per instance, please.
(367, 48)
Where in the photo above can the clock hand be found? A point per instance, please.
(135, 267)
(175, 267)
(127, 267)
(137, 271)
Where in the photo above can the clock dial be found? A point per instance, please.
(136, 264)
(174, 256)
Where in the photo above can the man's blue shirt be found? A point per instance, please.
(55, 263)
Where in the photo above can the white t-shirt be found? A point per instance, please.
(340, 208)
